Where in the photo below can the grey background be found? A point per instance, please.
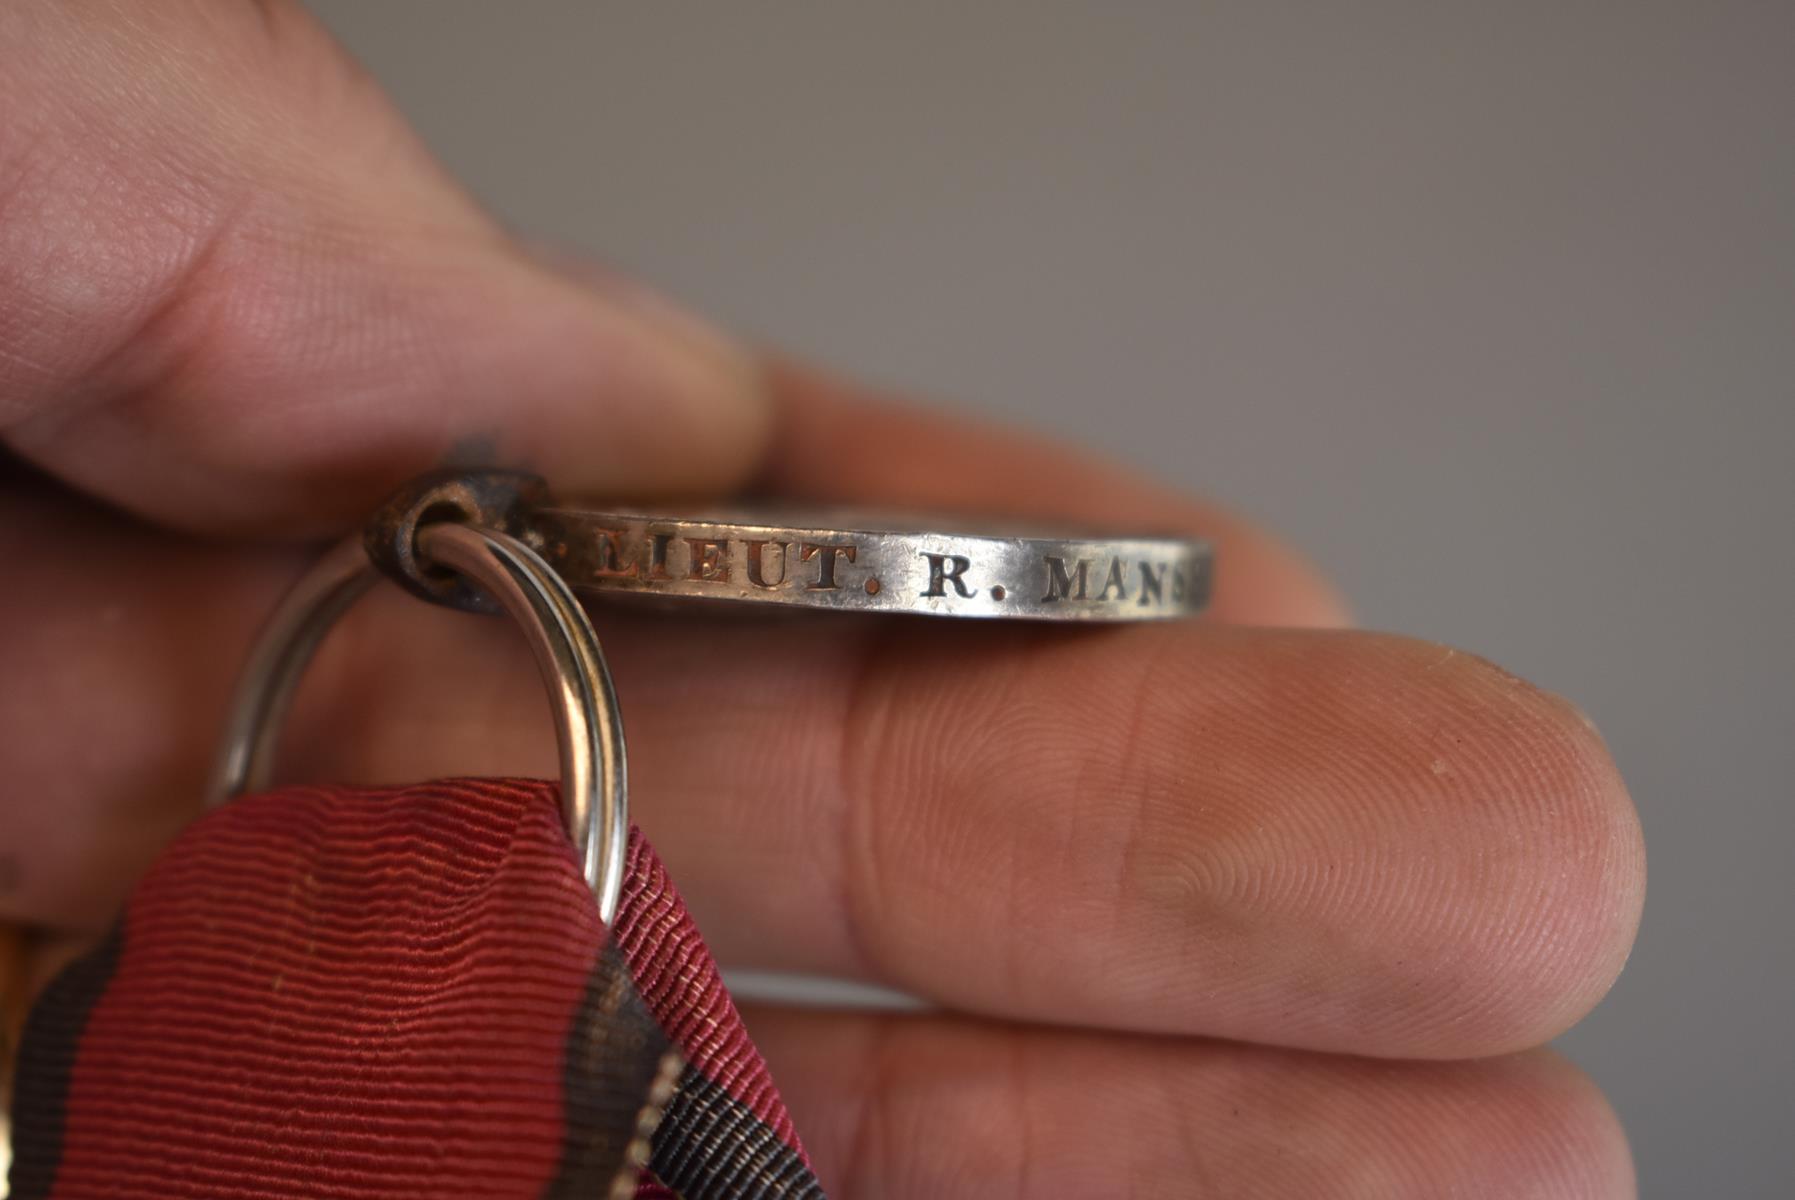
(1490, 307)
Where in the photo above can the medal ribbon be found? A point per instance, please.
(396, 992)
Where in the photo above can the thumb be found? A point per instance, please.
(237, 295)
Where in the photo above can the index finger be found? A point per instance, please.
(237, 296)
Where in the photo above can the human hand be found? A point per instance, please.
(1233, 908)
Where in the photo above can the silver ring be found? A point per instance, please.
(594, 780)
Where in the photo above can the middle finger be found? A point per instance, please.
(1334, 840)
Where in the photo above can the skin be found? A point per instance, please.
(1255, 906)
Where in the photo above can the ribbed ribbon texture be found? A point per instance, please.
(396, 992)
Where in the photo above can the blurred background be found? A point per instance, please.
(1489, 307)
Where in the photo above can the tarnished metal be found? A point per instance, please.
(797, 557)
(859, 562)
(496, 500)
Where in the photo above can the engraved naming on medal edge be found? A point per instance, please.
(775, 564)
(1154, 583)
(959, 574)
(765, 563)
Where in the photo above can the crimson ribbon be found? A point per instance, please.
(394, 992)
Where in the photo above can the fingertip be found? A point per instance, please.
(288, 385)
(1547, 1131)
(1559, 886)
